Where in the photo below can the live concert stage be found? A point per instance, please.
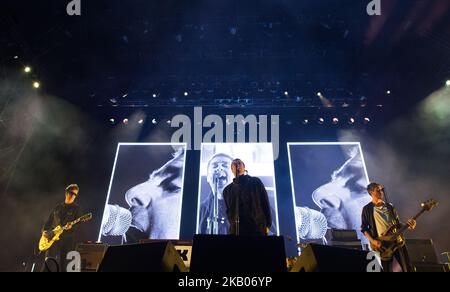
(225, 137)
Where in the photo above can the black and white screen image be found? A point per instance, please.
(329, 186)
(216, 160)
(145, 194)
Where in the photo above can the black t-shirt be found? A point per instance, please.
(61, 215)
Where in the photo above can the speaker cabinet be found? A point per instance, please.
(321, 258)
(149, 257)
(228, 253)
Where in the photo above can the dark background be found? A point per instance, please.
(232, 57)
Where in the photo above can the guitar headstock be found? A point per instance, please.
(429, 205)
(86, 218)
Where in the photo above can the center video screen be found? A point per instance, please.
(216, 158)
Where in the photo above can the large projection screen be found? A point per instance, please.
(258, 158)
(145, 193)
(329, 182)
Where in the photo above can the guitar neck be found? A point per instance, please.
(404, 228)
(75, 222)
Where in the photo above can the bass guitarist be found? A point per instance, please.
(60, 216)
(378, 217)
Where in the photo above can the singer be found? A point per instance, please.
(247, 203)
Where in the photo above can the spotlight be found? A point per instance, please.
(141, 121)
(388, 92)
(305, 121)
(125, 121)
(112, 121)
(16, 57)
(321, 121)
(125, 95)
(286, 93)
(155, 95)
(319, 94)
(27, 69)
(36, 84)
(447, 83)
(154, 121)
(351, 121)
(366, 120)
(335, 121)
(186, 93)
(169, 122)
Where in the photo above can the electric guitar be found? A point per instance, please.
(393, 239)
(45, 243)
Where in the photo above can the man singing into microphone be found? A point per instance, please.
(212, 219)
(247, 203)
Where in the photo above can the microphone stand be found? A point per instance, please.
(237, 201)
(216, 206)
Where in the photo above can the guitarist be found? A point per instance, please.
(60, 216)
(377, 218)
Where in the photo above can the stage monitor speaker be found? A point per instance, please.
(322, 258)
(184, 248)
(228, 253)
(421, 251)
(149, 257)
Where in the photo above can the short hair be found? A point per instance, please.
(371, 187)
(72, 187)
(237, 160)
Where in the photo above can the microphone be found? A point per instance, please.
(116, 221)
(311, 224)
(218, 173)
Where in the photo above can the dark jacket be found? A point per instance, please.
(368, 219)
(61, 215)
(247, 199)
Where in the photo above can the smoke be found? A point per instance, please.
(411, 157)
(43, 142)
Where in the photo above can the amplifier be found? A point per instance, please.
(347, 244)
(421, 251)
(429, 268)
(341, 235)
(91, 255)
